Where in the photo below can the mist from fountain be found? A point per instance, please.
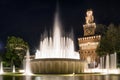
(58, 45)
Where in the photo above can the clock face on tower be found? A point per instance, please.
(88, 31)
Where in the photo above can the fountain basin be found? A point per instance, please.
(57, 66)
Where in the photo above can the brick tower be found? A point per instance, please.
(90, 41)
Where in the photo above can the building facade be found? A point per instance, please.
(90, 41)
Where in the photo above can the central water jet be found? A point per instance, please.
(58, 45)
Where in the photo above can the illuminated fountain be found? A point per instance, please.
(1, 68)
(13, 68)
(27, 64)
(56, 53)
(56, 46)
(108, 65)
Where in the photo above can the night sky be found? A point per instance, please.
(28, 19)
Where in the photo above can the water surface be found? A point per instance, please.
(59, 77)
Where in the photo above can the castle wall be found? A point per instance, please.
(88, 46)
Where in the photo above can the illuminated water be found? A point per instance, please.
(27, 65)
(58, 45)
(13, 68)
(108, 65)
(1, 68)
(56, 77)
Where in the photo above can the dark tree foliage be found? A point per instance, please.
(16, 49)
(110, 41)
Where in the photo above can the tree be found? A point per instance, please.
(109, 42)
(117, 47)
(16, 48)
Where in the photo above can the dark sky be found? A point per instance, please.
(28, 19)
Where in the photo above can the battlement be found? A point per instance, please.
(89, 39)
